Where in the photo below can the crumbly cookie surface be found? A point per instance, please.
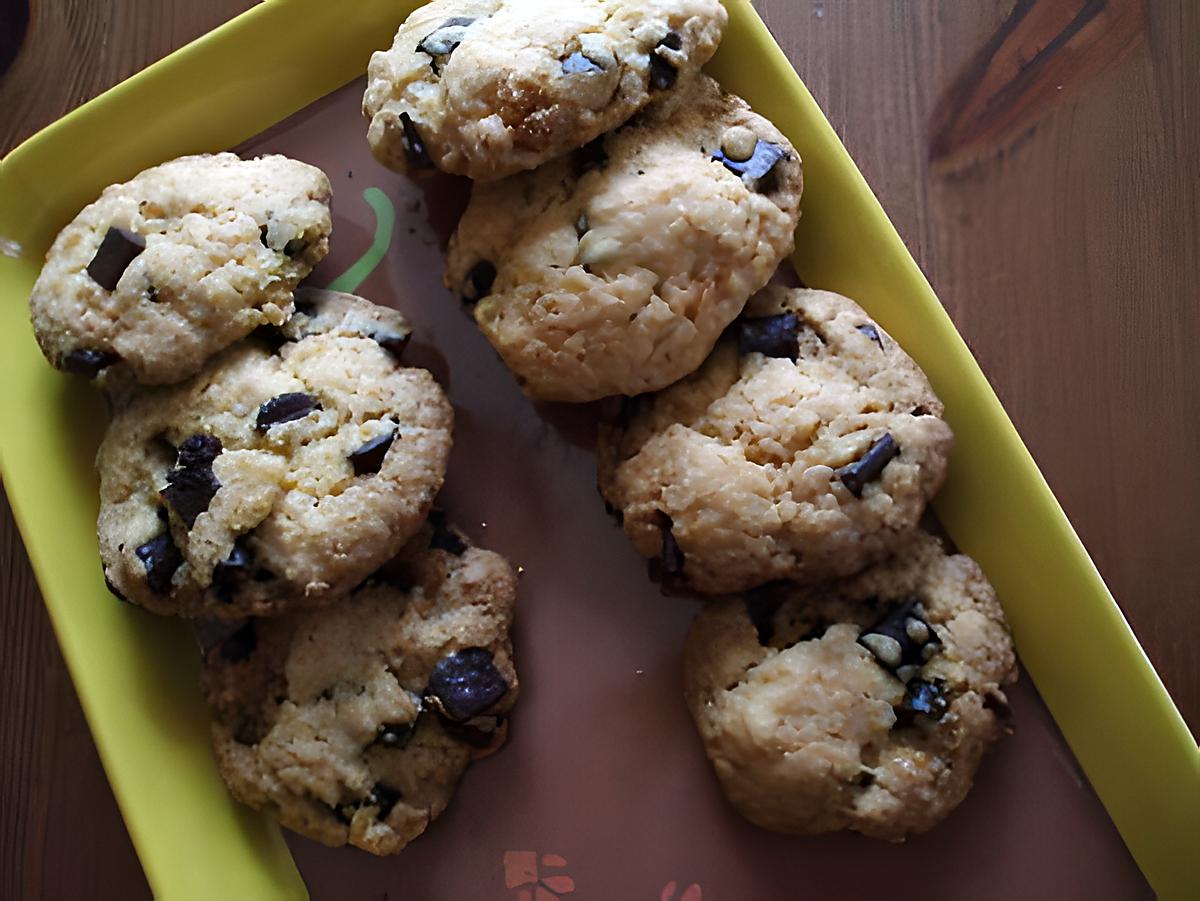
(486, 88)
(165, 270)
(801, 449)
(285, 472)
(865, 704)
(353, 723)
(615, 270)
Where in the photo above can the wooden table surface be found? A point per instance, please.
(1041, 158)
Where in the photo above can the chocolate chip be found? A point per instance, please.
(466, 684)
(189, 492)
(671, 556)
(393, 342)
(368, 458)
(662, 73)
(384, 797)
(479, 281)
(232, 571)
(901, 639)
(923, 699)
(396, 735)
(672, 41)
(295, 247)
(161, 558)
(754, 170)
(88, 362)
(591, 155)
(414, 147)
(198, 450)
(867, 468)
(116, 251)
(577, 64)
(285, 408)
(444, 538)
(871, 332)
(761, 606)
(772, 336)
(444, 40)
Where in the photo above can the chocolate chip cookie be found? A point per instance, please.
(615, 270)
(284, 472)
(354, 723)
(865, 704)
(801, 448)
(186, 258)
(486, 88)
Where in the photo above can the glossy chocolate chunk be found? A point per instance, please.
(577, 64)
(772, 336)
(394, 343)
(672, 41)
(384, 797)
(88, 362)
(871, 332)
(285, 408)
(761, 606)
(118, 249)
(754, 170)
(479, 281)
(902, 639)
(466, 684)
(189, 491)
(444, 538)
(923, 699)
(671, 556)
(414, 147)
(161, 558)
(369, 458)
(867, 468)
(396, 735)
(591, 155)
(444, 40)
(198, 450)
(662, 73)
(232, 571)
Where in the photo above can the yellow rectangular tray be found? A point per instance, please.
(136, 676)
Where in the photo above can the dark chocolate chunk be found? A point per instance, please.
(871, 332)
(773, 336)
(923, 699)
(295, 247)
(479, 281)
(672, 41)
(88, 362)
(444, 40)
(116, 592)
(384, 797)
(466, 684)
(285, 408)
(113, 256)
(577, 64)
(368, 458)
(414, 147)
(901, 639)
(393, 342)
(662, 73)
(671, 556)
(754, 170)
(444, 538)
(189, 491)
(761, 605)
(161, 558)
(396, 735)
(867, 468)
(231, 571)
(198, 450)
(591, 155)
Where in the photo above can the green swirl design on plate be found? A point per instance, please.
(385, 224)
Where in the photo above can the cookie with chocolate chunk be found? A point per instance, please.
(283, 473)
(805, 444)
(486, 88)
(353, 723)
(615, 270)
(864, 704)
(165, 270)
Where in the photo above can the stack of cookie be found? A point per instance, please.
(772, 448)
(269, 472)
